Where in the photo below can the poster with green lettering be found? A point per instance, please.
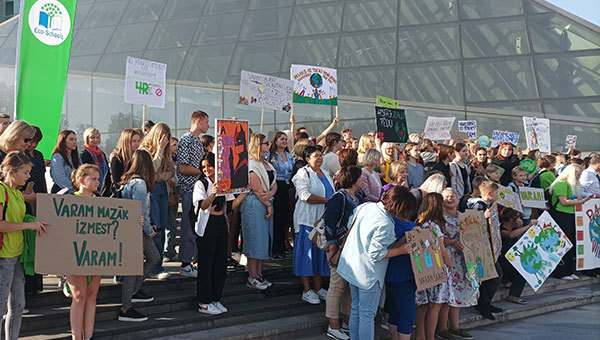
(387, 102)
(89, 236)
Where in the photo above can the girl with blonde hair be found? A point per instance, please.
(389, 155)
(120, 158)
(365, 143)
(17, 136)
(92, 154)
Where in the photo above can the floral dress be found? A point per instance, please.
(465, 295)
(442, 293)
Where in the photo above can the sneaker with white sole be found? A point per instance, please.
(322, 293)
(188, 271)
(220, 306)
(567, 278)
(254, 282)
(132, 315)
(209, 308)
(345, 327)
(163, 275)
(140, 296)
(264, 281)
(311, 297)
(337, 334)
(384, 324)
(574, 277)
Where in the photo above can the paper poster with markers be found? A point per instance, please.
(232, 173)
(469, 127)
(265, 91)
(587, 227)
(315, 85)
(426, 259)
(391, 125)
(537, 253)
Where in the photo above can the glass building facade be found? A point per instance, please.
(489, 60)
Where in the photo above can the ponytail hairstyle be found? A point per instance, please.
(141, 166)
(14, 160)
(83, 171)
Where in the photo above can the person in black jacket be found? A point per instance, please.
(507, 161)
(120, 159)
(445, 156)
(92, 154)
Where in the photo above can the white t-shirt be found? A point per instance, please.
(331, 163)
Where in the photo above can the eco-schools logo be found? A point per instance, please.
(50, 22)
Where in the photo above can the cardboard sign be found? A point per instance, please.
(528, 165)
(232, 175)
(570, 142)
(266, 91)
(469, 127)
(391, 125)
(458, 136)
(509, 199)
(438, 128)
(537, 133)
(537, 253)
(495, 236)
(314, 85)
(387, 102)
(501, 136)
(426, 259)
(145, 82)
(476, 241)
(587, 226)
(89, 236)
(532, 197)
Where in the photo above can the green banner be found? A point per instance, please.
(387, 102)
(45, 32)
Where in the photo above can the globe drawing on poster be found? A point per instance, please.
(587, 226)
(265, 91)
(314, 84)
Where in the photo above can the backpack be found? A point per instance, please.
(536, 183)
(4, 212)
(107, 189)
(193, 214)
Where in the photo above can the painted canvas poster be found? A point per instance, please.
(391, 125)
(587, 226)
(495, 237)
(426, 259)
(232, 174)
(537, 253)
(509, 199)
(314, 84)
(476, 241)
(265, 91)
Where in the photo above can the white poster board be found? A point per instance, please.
(314, 84)
(265, 91)
(532, 197)
(145, 82)
(537, 133)
(570, 141)
(509, 199)
(469, 127)
(438, 128)
(501, 136)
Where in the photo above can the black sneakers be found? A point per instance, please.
(140, 296)
(132, 315)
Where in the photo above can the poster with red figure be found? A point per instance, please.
(232, 156)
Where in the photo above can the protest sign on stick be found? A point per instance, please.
(570, 142)
(537, 133)
(232, 174)
(265, 91)
(476, 241)
(469, 127)
(587, 226)
(391, 125)
(315, 85)
(438, 128)
(426, 259)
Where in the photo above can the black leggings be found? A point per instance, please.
(212, 260)
(566, 222)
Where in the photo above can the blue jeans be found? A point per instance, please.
(171, 232)
(364, 308)
(187, 237)
(159, 214)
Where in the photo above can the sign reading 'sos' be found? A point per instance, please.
(50, 22)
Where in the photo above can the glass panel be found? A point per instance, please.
(131, 37)
(256, 4)
(362, 49)
(225, 6)
(587, 136)
(320, 51)
(85, 64)
(7, 90)
(190, 99)
(110, 112)
(108, 141)
(105, 14)
(353, 110)
(91, 41)
(418, 119)
(172, 57)
(554, 33)
(305, 113)
(474, 9)
(325, 18)
(439, 83)
(77, 112)
(156, 114)
(494, 39)
(9, 51)
(81, 14)
(533, 7)
(569, 76)
(266, 24)
(268, 130)
(218, 28)
(370, 14)
(177, 9)
(367, 82)
(175, 33)
(413, 12)
(259, 56)
(7, 27)
(526, 105)
(428, 44)
(245, 112)
(573, 108)
(115, 63)
(486, 124)
(141, 11)
(207, 65)
(499, 80)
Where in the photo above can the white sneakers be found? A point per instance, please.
(188, 271)
(257, 283)
(322, 293)
(570, 277)
(163, 275)
(220, 306)
(337, 334)
(311, 297)
(213, 308)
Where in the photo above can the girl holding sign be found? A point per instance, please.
(15, 172)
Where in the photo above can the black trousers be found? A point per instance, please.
(566, 222)
(509, 273)
(281, 217)
(212, 260)
(488, 288)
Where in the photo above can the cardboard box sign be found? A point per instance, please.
(426, 259)
(475, 238)
(89, 236)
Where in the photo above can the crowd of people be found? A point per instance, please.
(367, 193)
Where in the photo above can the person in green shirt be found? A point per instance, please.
(16, 168)
(546, 173)
(565, 196)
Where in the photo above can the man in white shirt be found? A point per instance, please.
(589, 182)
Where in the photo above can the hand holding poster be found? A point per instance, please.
(509, 199)
(266, 91)
(469, 127)
(438, 128)
(474, 237)
(145, 82)
(539, 251)
(501, 136)
(570, 141)
(587, 226)
(495, 236)
(89, 236)
(314, 84)
(387, 102)
(426, 259)
(391, 125)
(232, 175)
(532, 197)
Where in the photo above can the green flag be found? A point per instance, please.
(45, 32)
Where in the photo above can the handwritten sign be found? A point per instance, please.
(509, 199)
(387, 102)
(438, 128)
(495, 236)
(232, 173)
(532, 197)
(426, 259)
(315, 85)
(537, 253)
(587, 227)
(570, 141)
(469, 127)
(537, 133)
(145, 82)
(474, 237)
(501, 136)
(265, 91)
(391, 125)
(89, 236)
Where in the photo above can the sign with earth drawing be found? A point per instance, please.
(474, 236)
(391, 125)
(265, 91)
(315, 85)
